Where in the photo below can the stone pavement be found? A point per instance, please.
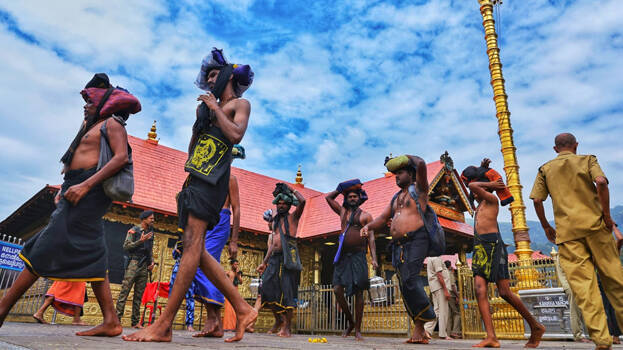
(19, 336)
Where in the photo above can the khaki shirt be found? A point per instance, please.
(570, 180)
(434, 265)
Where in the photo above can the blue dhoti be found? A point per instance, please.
(204, 291)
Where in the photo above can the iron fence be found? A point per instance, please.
(318, 312)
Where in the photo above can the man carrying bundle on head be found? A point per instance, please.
(222, 119)
(351, 267)
(415, 235)
(490, 259)
(72, 246)
(281, 268)
(215, 240)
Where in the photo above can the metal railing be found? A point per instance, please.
(318, 312)
(507, 322)
(30, 302)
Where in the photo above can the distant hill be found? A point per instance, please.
(537, 235)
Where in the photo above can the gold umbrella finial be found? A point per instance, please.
(152, 135)
(299, 176)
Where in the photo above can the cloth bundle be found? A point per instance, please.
(486, 174)
(120, 101)
(282, 193)
(242, 74)
(353, 185)
(397, 163)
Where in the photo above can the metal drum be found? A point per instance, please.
(378, 290)
(255, 285)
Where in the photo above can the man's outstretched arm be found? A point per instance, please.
(378, 223)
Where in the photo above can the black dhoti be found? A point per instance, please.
(408, 254)
(490, 258)
(203, 200)
(351, 272)
(279, 285)
(72, 246)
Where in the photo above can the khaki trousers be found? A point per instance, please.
(454, 318)
(578, 259)
(575, 315)
(441, 310)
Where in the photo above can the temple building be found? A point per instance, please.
(159, 175)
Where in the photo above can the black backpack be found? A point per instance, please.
(436, 233)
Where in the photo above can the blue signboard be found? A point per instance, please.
(9, 258)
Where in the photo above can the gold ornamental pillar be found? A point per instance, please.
(511, 168)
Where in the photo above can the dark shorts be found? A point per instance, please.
(72, 246)
(351, 272)
(490, 258)
(201, 199)
(408, 256)
(279, 285)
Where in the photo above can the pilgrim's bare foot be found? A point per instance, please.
(276, 327)
(78, 323)
(156, 332)
(108, 329)
(210, 330)
(487, 343)
(536, 333)
(348, 330)
(358, 335)
(244, 320)
(39, 318)
(285, 332)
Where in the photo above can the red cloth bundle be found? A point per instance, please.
(486, 174)
(504, 195)
(118, 101)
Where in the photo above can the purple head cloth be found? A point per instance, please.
(243, 74)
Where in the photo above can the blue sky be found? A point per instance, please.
(338, 85)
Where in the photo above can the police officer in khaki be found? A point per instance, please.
(138, 245)
(583, 233)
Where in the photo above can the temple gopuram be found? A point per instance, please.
(159, 175)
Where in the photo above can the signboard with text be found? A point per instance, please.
(9, 258)
(550, 307)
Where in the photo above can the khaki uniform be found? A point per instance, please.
(454, 317)
(136, 273)
(574, 310)
(434, 265)
(582, 237)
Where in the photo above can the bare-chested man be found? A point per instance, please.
(410, 240)
(351, 266)
(490, 263)
(281, 268)
(215, 240)
(222, 120)
(72, 246)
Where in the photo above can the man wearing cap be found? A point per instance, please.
(410, 240)
(138, 246)
(72, 246)
(221, 121)
(350, 265)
